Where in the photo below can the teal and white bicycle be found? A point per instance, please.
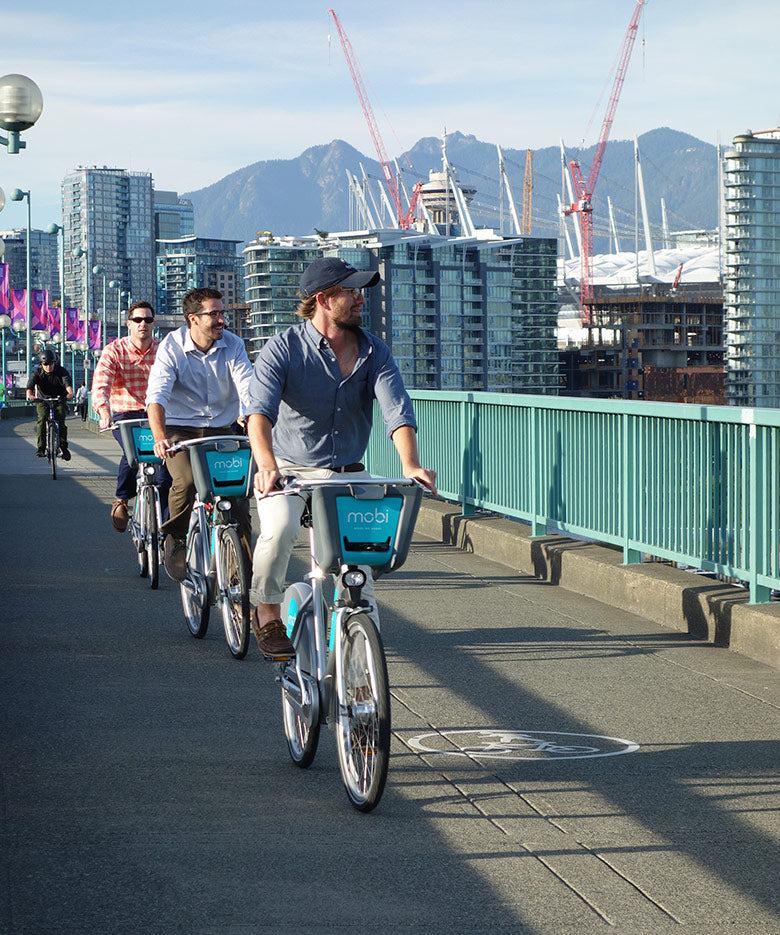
(218, 569)
(146, 518)
(339, 673)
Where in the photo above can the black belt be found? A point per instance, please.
(349, 468)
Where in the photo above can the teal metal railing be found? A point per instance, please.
(698, 485)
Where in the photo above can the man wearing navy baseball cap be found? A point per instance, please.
(312, 397)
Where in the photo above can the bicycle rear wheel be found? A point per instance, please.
(363, 713)
(233, 584)
(151, 539)
(195, 597)
(53, 443)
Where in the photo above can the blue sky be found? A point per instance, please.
(192, 91)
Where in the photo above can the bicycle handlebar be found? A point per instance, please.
(189, 442)
(295, 485)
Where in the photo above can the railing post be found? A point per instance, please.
(759, 593)
(538, 523)
(628, 490)
(466, 508)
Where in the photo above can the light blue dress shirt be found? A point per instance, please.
(200, 388)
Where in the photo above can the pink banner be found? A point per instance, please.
(3, 288)
(18, 311)
(39, 309)
(94, 335)
(74, 327)
(54, 322)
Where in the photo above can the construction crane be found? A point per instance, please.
(403, 218)
(528, 191)
(583, 189)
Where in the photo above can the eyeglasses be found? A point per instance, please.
(220, 314)
(353, 292)
(146, 321)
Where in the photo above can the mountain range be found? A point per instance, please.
(297, 196)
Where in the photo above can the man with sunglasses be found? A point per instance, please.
(313, 391)
(199, 386)
(118, 393)
(50, 379)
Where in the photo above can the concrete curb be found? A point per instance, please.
(704, 608)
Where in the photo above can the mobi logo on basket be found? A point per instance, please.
(227, 464)
(369, 517)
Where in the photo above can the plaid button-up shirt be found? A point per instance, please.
(122, 375)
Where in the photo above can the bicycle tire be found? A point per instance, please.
(151, 539)
(136, 530)
(301, 725)
(233, 585)
(195, 589)
(53, 444)
(363, 713)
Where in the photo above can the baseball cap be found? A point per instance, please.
(330, 271)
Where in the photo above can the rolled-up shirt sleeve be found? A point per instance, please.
(267, 380)
(161, 376)
(105, 374)
(390, 393)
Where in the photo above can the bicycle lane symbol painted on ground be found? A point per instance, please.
(501, 744)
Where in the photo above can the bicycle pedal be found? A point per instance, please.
(284, 657)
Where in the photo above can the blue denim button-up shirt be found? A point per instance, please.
(321, 419)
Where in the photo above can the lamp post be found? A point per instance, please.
(5, 323)
(54, 229)
(21, 103)
(17, 195)
(100, 271)
(79, 252)
(115, 284)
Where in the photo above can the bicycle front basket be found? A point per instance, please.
(364, 524)
(223, 468)
(138, 442)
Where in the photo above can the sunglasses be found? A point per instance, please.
(146, 321)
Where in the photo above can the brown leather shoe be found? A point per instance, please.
(175, 557)
(272, 638)
(119, 515)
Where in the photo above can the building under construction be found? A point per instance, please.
(659, 340)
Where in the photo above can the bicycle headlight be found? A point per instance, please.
(354, 579)
(223, 505)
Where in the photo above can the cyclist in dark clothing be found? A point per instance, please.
(50, 379)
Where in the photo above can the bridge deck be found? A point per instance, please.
(146, 784)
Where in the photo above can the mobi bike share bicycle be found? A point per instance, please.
(217, 565)
(146, 518)
(52, 432)
(341, 677)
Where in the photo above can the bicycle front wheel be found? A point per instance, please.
(151, 538)
(233, 584)
(136, 533)
(195, 598)
(53, 444)
(363, 713)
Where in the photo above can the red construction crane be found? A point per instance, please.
(583, 189)
(405, 218)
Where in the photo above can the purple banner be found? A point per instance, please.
(18, 303)
(94, 335)
(39, 309)
(3, 288)
(54, 322)
(74, 327)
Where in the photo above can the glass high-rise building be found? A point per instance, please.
(44, 260)
(752, 287)
(193, 262)
(108, 213)
(458, 313)
(174, 217)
